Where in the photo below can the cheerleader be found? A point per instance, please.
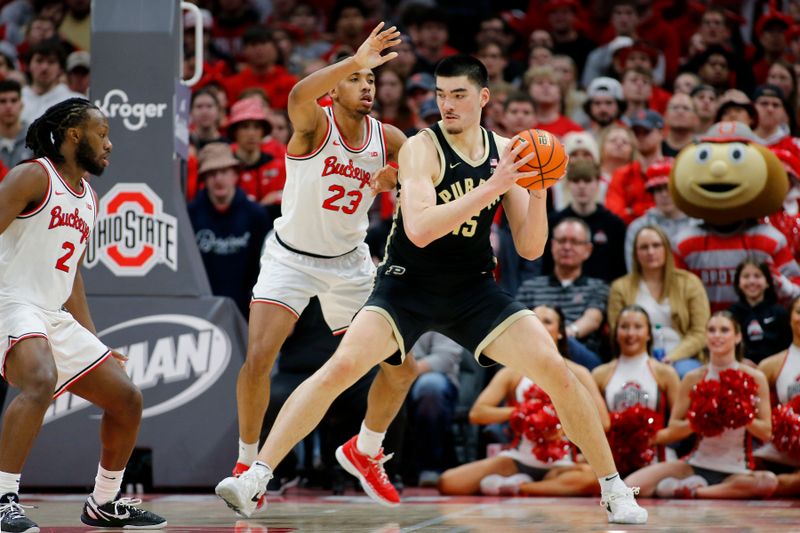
(783, 375)
(635, 378)
(719, 466)
(518, 470)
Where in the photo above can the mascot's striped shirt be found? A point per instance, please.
(713, 257)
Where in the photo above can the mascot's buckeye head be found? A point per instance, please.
(726, 176)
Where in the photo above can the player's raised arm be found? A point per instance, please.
(23, 188)
(306, 116)
(424, 220)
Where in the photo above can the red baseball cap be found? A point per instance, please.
(658, 173)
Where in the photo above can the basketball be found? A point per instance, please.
(550, 160)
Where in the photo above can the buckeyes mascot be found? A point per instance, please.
(731, 182)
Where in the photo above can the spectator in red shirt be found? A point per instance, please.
(217, 65)
(304, 40)
(771, 33)
(627, 196)
(543, 88)
(621, 32)
(232, 19)
(348, 25)
(658, 31)
(428, 30)
(264, 69)
(261, 175)
(643, 56)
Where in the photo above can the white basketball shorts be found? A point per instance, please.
(289, 279)
(76, 351)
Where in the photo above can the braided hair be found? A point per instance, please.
(47, 132)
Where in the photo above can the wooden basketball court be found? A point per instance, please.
(424, 510)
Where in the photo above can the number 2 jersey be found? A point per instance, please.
(466, 250)
(40, 249)
(327, 194)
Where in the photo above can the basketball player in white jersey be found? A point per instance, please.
(318, 246)
(47, 338)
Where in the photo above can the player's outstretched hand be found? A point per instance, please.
(119, 358)
(507, 172)
(369, 53)
(383, 180)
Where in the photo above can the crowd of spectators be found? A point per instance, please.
(625, 84)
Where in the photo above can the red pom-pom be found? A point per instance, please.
(786, 428)
(729, 403)
(631, 437)
(536, 419)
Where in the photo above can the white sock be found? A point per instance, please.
(369, 442)
(106, 485)
(9, 483)
(611, 483)
(247, 452)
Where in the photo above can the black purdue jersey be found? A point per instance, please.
(464, 251)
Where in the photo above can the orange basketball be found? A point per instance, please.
(550, 160)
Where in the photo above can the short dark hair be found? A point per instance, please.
(8, 86)
(339, 8)
(207, 92)
(257, 34)
(516, 98)
(48, 48)
(463, 65)
(575, 220)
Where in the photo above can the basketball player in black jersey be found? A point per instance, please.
(437, 276)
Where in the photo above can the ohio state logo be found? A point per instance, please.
(132, 233)
(630, 395)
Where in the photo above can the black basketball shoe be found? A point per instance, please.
(120, 513)
(12, 517)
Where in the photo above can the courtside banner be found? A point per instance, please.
(184, 354)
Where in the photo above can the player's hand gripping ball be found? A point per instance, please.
(550, 159)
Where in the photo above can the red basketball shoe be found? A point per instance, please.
(240, 469)
(369, 471)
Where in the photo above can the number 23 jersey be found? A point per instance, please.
(40, 249)
(327, 194)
